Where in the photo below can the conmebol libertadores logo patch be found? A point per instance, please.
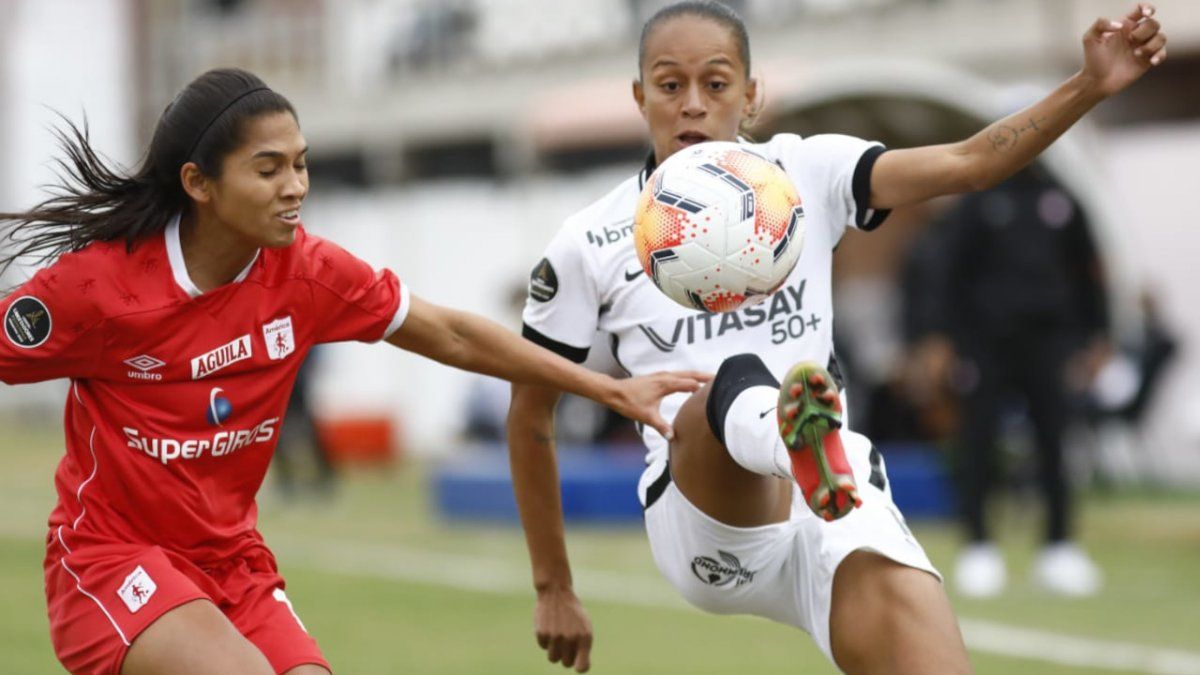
(27, 323)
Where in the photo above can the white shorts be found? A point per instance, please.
(782, 571)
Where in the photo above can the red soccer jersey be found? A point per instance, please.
(177, 397)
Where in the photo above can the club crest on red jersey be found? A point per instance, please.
(279, 337)
(137, 589)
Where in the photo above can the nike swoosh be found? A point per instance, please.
(630, 276)
(766, 412)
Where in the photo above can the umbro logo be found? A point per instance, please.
(630, 276)
(142, 366)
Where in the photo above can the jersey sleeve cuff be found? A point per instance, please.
(576, 354)
(865, 217)
(401, 312)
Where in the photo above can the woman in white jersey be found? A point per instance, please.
(727, 525)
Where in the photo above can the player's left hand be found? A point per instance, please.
(1117, 53)
(563, 629)
(638, 398)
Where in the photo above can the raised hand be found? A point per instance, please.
(1117, 53)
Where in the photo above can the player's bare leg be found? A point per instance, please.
(885, 617)
(713, 482)
(894, 619)
(749, 480)
(706, 471)
(194, 639)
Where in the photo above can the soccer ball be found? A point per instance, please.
(718, 227)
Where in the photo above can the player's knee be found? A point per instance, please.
(878, 585)
(690, 423)
(700, 423)
(701, 419)
(882, 609)
(736, 374)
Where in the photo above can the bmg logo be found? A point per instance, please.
(610, 236)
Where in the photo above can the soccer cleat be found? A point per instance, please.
(810, 415)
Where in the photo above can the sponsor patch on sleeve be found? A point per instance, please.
(27, 323)
(543, 282)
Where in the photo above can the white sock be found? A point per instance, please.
(752, 434)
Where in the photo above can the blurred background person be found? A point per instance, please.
(1119, 394)
(1005, 298)
(302, 463)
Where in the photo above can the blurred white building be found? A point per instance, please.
(65, 56)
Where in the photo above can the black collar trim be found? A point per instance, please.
(647, 169)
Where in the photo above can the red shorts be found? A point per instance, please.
(102, 594)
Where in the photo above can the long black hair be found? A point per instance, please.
(704, 9)
(95, 202)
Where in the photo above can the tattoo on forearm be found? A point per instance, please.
(1003, 137)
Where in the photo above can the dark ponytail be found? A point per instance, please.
(95, 202)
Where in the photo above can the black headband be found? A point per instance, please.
(200, 136)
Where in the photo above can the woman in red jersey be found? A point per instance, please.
(180, 303)
(744, 513)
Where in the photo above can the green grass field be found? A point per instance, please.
(386, 588)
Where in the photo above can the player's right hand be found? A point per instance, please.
(563, 629)
(1117, 53)
(638, 398)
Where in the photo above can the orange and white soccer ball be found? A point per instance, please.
(718, 227)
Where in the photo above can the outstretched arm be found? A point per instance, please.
(1116, 53)
(560, 623)
(473, 343)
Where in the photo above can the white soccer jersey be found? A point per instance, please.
(590, 279)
